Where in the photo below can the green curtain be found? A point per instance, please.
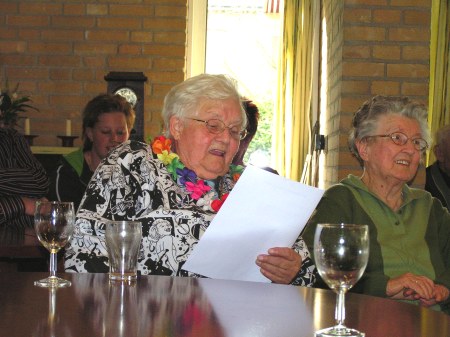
(292, 123)
(439, 96)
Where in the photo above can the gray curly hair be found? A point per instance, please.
(365, 120)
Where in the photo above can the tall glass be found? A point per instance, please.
(54, 225)
(341, 252)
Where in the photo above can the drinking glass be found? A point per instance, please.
(54, 225)
(341, 252)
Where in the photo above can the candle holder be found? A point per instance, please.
(29, 139)
(67, 141)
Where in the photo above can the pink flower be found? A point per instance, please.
(197, 189)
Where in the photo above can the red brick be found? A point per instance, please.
(107, 35)
(362, 69)
(83, 74)
(414, 89)
(170, 37)
(387, 16)
(9, 7)
(171, 11)
(129, 63)
(357, 15)
(26, 73)
(385, 88)
(163, 50)
(17, 60)
(65, 21)
(28, 20)
(60, 61)
(6, 33)
(131, 10)
(49, 47)
(60, 74)
(386, 52)
(93, 61)
(408, 70)
(62, 34)
(122, 23)
(358, 51)
(357, 87)
(12, 46)
(416, 52)
(95, 9)
(363, 3)
(95, 48)
(409, 34)
(415, 18)
(168, 64)
(74, 9)
(40, 8)
(164, 23)
(131, 49)
(61, 87)
(142, 36)
(358, 33)
(29, 34)
(411, 3)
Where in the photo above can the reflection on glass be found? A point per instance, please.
(153, 306)
(121, 316)
(47, 327)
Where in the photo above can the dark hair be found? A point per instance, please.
(105, 103)
(252, 112)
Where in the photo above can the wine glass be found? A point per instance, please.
(54, 225)
(341, 252)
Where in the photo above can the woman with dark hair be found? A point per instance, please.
(107, 122)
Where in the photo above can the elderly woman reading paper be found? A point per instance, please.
(175, 187)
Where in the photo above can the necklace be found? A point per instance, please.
(203, 191)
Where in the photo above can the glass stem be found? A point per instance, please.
(339, 315)
(53, 264)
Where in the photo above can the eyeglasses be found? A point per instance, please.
(400, 139)
(216, 126)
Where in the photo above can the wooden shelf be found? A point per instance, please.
(52, 149)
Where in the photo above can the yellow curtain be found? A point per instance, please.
(293, 108)
(439, 96)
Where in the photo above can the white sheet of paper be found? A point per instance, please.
(263, 210)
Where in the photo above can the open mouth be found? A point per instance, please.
(218, 153)
(403, 162)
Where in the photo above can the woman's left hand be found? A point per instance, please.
(281, 265)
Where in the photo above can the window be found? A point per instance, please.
(240, 38)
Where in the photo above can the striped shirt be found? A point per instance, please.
(21, 175)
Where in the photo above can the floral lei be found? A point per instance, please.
(198, 189)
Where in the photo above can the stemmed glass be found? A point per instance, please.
(54, 225)
(341, 252)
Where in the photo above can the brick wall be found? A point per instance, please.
(385, 51)
(60, 52)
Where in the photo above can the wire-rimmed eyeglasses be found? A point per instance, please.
(400, 138)
(216, 126)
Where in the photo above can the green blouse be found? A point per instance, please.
(414, 239)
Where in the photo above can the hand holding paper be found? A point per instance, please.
(263, 210)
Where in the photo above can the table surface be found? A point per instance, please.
(172, 306)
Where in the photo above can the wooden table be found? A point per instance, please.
(20, 250)
(170, 306)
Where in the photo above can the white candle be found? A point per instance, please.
(68, 127)
(27, 126)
